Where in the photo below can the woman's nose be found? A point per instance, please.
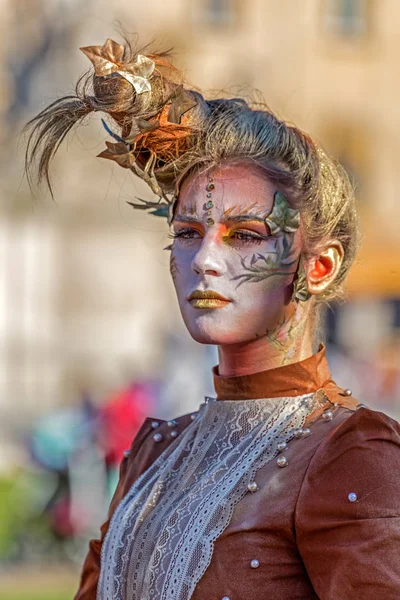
(208, 259)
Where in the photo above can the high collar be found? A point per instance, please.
(295, 379)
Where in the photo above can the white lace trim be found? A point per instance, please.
(161, 537)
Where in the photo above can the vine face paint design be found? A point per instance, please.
(233, 278)
(289, 331)
(173, 267)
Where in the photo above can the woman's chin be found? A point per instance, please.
(216, 335)
(211, 338)
(212, 327)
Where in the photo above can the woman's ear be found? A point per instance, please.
(321, 271)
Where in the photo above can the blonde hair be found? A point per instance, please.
(208, 134)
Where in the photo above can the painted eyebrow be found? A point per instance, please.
(224, 219)
(186, 218)
(254, 208)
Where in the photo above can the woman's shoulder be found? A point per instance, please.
(347, 512)
(153, 437)
(357, 463)
(160, 431)
(363, 430)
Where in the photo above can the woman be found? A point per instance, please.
(278, 488)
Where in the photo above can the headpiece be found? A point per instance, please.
(108, 61)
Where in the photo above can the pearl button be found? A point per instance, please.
(282, 446)
(327, 415)
(157, 437)
(127, 453)
(352, 497)
(226, 598)
(347, 392)
(360, 406)
(193, 416)
(174, 433)
(306, 432)
(298, 433)
(155, 424)
(254, 563)
(282, 462)
(252, 487)
(172, 423)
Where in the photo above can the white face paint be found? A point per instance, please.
(228, 251)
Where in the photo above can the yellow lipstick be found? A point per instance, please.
(208, 303)
(207, 299)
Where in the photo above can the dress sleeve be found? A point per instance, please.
(347, 517)
(91, 567)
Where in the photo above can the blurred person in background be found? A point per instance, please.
(81, 449)
(119, 419)
(284, 485)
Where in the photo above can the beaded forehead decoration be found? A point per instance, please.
(209, 204)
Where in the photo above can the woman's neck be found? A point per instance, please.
(289, 343)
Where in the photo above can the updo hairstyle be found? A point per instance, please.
(210, 133)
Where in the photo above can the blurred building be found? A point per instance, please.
(86, 301)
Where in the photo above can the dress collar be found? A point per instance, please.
(295, 379)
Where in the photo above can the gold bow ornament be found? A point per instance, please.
(108, 59)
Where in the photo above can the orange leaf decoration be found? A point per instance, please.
(108, 59)
(119, 153)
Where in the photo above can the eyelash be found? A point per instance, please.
(246, 238)
(180, 234)
(186, 235)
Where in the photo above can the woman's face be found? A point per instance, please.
(232, 277)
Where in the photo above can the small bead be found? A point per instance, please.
(211, 179)
(321, 397)
(172, 423)
(306, 432)
(282, 462)
(209, 195)
(254, 563)
(352, 497)
(210, 222)
(174, 433)
(252, 487)
(127, 453)
(226, 598)
(210, 187)
(155, 424)
(327, 415)
(157, 437)
(209, 204)
(347, 392)
(298, 433)
(282, 446)
(193, 416)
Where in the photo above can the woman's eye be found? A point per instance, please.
(185, 234)
(247, 237)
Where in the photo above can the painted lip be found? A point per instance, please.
(207, 299)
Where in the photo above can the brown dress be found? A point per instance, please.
(326, 526)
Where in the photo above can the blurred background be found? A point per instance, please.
(91, 340)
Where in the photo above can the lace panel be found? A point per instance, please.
(161, 537)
